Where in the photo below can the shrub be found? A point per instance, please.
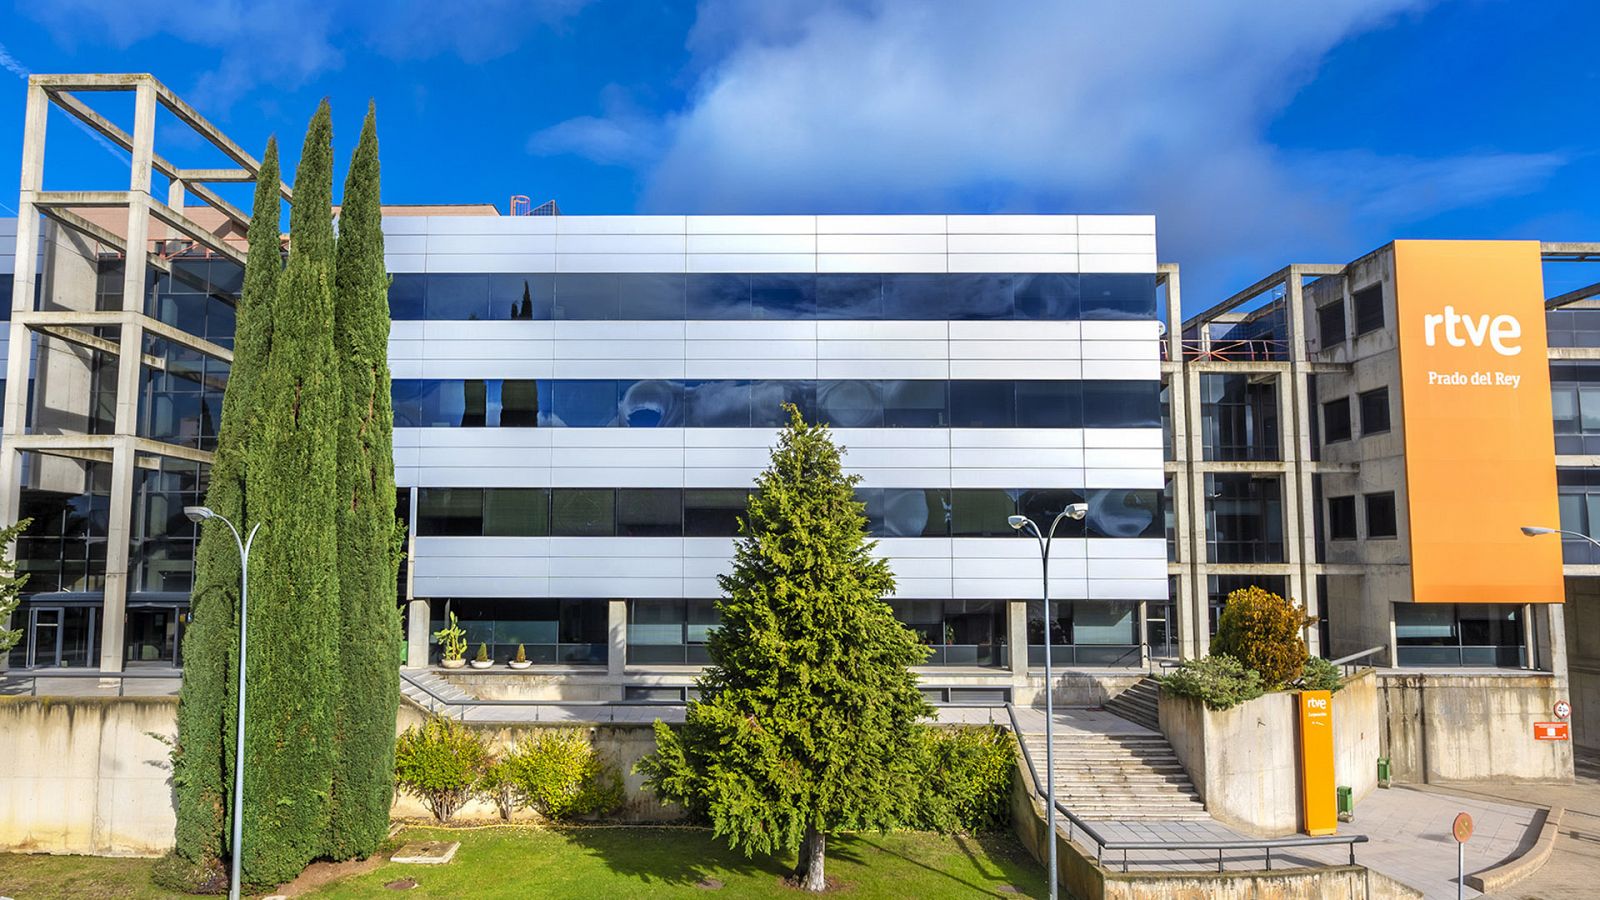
(966, 779)
(1220, 681)
(559, 774)
(440, 762)
(498, 784)
(1263, 631)
(483, 653)
(1320, 675)
(452, 640)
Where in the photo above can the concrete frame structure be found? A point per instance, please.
(124, 448)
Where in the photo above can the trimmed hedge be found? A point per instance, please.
(1221, 682)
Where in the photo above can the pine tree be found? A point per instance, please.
(807, 722)
(294, 614)
(203, 767)
(368, 619)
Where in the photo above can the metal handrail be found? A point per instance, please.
(35, 674)
(1348, 662)
(1267, 845)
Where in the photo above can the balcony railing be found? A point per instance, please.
(1242, 350)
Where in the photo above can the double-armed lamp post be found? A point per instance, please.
(204, 514)
(1074, 511)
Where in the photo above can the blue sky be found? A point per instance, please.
(1258, 132)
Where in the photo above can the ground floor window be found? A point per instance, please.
(550, 630)
(153, 634)
(670, 632)
(1459, 634)
(960, 632)
(56, 635)
(1085, 633)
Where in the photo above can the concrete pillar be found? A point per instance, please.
(1194, 624)
(419, 624)
(1144, 634)
(617, 632)
(1299, 477)
(1187, 442)
(1017, 641)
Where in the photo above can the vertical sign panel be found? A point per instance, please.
(1475, 402)
(1318, 797)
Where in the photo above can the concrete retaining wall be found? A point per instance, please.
(1471, 728)
(84, 775)
(1244, 761)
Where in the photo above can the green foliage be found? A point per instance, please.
(295, 672)
(483, 653)
(522, 654)
(1265, 632)
(11, 584)
(207, 703)
(441, 762)
(498, 784)
(365, 706)
(1320, 675)
(966, 779)
(807, 717)
(558, 773)
(1220, 681)
(452, 640)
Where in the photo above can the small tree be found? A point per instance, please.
(558, 773)
(807, 722)
(10, 585)
(1265, 632)
(442, 762)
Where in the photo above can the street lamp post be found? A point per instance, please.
(202, 514)
(1535, 531)
(1073, 511)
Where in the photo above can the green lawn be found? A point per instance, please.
(609, 863)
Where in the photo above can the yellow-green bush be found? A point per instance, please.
(442, 762)
(1264, 632)
(558, 773)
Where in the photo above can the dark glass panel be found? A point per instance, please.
(917, 296)
(983, 404)
(520, 402)
(1121, 404)
(724, 297)
(1042, 506)
(981, 512)
(522, 298)
(906, 512)
(1124, 513)
(458, 297)
(1052, 296)
(584, 404)
(453, 512)
(407, 291)
(850, 297)
(915, 404)
(767, 399)
(713, 512)
(783, 296)
(650, 512)
(650, 296)
(586, 296)
(583, 512)
(1117, 296)
(652, 404)
(850, 404)
(718, 404)
(516, 512)
(1053, 404)
(980, 297)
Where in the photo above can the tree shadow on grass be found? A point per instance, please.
(999, 861)
(671, 856)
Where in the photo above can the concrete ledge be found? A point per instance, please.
(1508, 873)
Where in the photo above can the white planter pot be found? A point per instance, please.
(481, 665)
(452, 663)
(520, 665)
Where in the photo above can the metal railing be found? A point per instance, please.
(33, 676)
(1103, 844)
(1349, 663)
(1226, 350)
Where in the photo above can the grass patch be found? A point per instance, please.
(613, 863)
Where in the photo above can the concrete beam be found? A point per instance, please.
(1569, 251)
(1574, 296)
(89, 341)
(1259, 288)
(65, 444)
(75, 222)
(216, 176)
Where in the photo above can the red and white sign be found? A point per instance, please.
(1551, 731)
(1563, 709)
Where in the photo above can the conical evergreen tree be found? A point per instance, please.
(368, 620)
(294, 614)
(203, 769)
(807, 722)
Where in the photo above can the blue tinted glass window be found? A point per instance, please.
(523, 298)
(226, 277)
(1118, 513)
(983, 404)
(1052, 296)
(849, 296)
(7, 282)
(440, 404)
(915, 404)
(850, 404)
(1121, 404)
(406, 292)
(584, 404)
(403, 394)
(520, 402)
(456, 297)
(718, 296)
(650, 297)
(1049, 404)
(1118, 296)
(917, 296)
(982, 512)
(477, 406)
(586, 296)
(906, 512)
(767, 399)
(1042, 506)
(718, 404)
(979, 296)
(651, 404)
(783, 296)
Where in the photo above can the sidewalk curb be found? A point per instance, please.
(1511, 871)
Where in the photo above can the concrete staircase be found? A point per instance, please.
(1117, 772)
(434, 683)
(1139, 704)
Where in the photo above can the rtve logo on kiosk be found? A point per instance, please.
(1460, 330)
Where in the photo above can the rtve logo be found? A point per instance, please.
(1497, 330)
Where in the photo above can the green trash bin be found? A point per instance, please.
(1383, 772)
(1347, 804)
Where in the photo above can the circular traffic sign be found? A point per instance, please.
(1461, 828)
(1563, 709)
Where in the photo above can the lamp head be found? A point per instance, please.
(1535, 531)
(1076, 511)
(1017, 521)
(198, 513)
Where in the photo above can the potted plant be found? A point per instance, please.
(483, 661)
(452, 644)
(521, 661)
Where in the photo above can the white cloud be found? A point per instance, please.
(903, 105)
(622, 136)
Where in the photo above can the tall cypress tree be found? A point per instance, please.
(807, 719)
(203, 768)
(294, 614)
(368, 619)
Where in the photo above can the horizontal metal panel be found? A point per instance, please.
(1121, 330)
(707, 330)
(881, 243)
(1116, 224)
(733, 242)
(1117, 262)
(880, 225)
(1127, 589)
(392, 244)
(1011, 224)
(1016, 331)
(1126, 478)
(1007, 458)
(632, 368)
(884, 349)
(620, 262)
(621, 224)
(1033, 477)
(883, 368)
(1127, 349)
(1120, 369)
(1013, 244)
(404, 225)
(1057, 351)
(857, 330)
(487, 587)
(490, 243)
(1123, 458)
(492, 262)
(1013, 262)
(1123, 437)
(491, 224)
(621, 243)
(762, 349)
(881, 262)
(624, 476)
(745, 368)
(751, 224)
(751, 263)
(1000, 370)
(1117, 243)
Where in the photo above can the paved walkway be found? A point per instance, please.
(1573, 869)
